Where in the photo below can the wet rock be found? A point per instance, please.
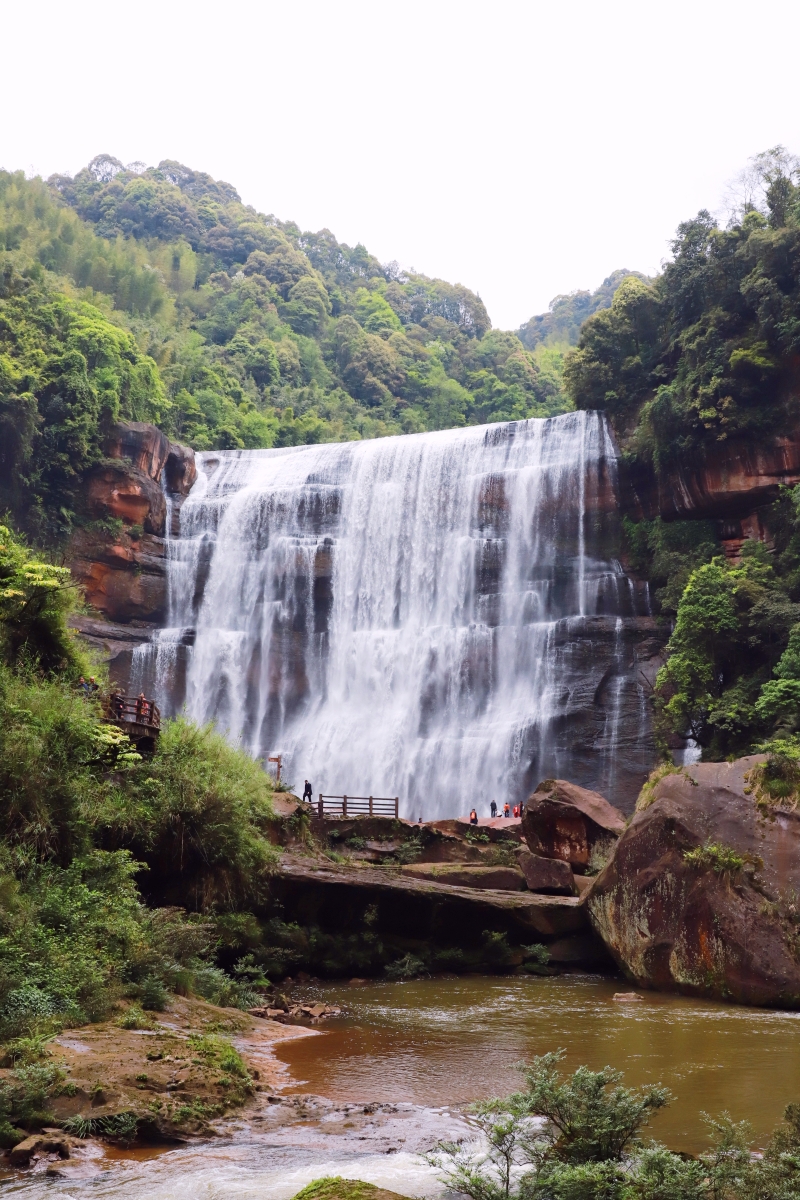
(562, 820)
(504, 879)
(50, 1142)
(548, 875)
(180, 470)
(704, 928)
(627, 997)
(736, 477)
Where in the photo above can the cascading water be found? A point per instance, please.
(436, 616)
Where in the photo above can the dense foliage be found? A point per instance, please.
(561, 324)
(156, 294)
(732, 676)
(579, 1138)
(708, 350)
(90, 830)
(66, 374)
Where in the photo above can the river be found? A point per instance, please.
(423, 1048)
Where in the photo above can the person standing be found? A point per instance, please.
(506, 809)
(493, 808)
(307, 792)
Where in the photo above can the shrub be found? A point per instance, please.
(715, 857)
(408, 967)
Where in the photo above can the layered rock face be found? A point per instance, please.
(738, 478)
(699, 927)
(123, 571)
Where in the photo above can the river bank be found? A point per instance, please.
(367, 1092)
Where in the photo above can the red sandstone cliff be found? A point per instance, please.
(738, 478)
(123, 569)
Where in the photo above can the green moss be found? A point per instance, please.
(334, 1187)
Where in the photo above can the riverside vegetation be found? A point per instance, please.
(84, 821)
(580, 1138)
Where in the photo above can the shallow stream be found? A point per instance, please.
(402, 1054)
(435, 1042)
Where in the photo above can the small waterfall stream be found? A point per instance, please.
(435, 616)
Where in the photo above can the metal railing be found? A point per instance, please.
(358, 806)
(134, 710)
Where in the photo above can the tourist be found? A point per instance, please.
(473, 817)
(516, 810)
(141, 707)
(83, 686)
(506, 809)
(93, 686)
(493, 808)
(307, 792)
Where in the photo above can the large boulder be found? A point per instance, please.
(725, 922)
(562, 820)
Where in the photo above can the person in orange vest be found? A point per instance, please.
(473, 817)
(506, 809)
(516, 810)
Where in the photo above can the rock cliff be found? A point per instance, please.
(737, 479)
(700, 893)
(119, 556)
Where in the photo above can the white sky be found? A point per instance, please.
(523, 149)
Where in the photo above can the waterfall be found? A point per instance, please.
(417, 616)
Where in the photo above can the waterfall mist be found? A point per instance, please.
(437, 616)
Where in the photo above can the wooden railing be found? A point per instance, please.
(134, 710)
(358, 806)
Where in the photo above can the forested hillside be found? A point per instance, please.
(560, 326)
(706, 354)
(156, 294)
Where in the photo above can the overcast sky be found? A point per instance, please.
(523, 149)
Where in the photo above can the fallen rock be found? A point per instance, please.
(627, 997)
(562, 820)
(548, 875)
(723, 924)
(494, 879)
(50, 1142)
(336, 897)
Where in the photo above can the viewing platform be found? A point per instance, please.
(139, 717)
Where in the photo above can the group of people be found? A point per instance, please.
(88, 686)
(508, 811)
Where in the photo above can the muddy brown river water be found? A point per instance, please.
(419, 1050)
(440, 1042)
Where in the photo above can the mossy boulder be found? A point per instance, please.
(333, 1187)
